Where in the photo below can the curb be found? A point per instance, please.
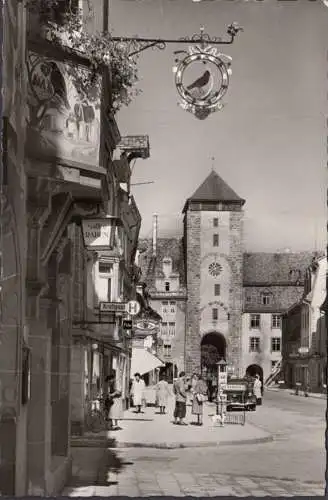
(204, 444)
(311, 395)
(96, 443)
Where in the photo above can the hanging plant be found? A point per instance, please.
(65, 29)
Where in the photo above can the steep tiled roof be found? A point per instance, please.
(276, 267)
(215, 189)
(165, 247)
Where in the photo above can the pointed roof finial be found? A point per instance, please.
(212, 165)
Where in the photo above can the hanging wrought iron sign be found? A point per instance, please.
(202, 78)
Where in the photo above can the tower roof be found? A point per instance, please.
(215, 189)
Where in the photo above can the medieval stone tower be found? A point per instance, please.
(213, 218)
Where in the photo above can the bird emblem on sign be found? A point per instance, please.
(201, 78)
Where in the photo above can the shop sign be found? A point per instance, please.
(112, 307)
(222, 378)
(127, 324)
(98, 232)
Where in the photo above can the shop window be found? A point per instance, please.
(255, 320)
(254, 344)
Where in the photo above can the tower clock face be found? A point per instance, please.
(214, 269)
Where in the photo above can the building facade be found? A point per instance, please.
(57, 171)
(305, 333)
(162, 267)
(231, 302)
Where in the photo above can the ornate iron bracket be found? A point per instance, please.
(201, 39)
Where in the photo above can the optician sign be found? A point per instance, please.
(99, 233)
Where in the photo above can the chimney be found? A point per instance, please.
(154, 234)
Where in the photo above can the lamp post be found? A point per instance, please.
(221, 399)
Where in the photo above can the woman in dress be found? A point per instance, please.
(114, 402)
(199, 397)
(257, 389)
(162, 394)
(137, 391)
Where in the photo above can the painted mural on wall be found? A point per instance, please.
(61, 122)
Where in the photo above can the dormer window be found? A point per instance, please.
(266, 298)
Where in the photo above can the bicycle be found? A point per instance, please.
(96, 417)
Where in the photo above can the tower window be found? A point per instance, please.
(215, 240)
(215, 314)
(216, 289)
(167, 286)
(215, 222)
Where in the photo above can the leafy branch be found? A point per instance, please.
(66, 28)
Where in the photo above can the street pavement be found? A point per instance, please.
(292, 464)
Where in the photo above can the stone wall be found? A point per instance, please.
(193, 265)
(236, 290)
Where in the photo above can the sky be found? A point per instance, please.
(269, 141)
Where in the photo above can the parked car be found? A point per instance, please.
(240, 395)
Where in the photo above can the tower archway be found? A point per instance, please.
(213, 348)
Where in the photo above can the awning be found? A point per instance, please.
(143, 361)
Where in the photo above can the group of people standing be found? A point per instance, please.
(183, 387)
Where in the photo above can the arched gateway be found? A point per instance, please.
(213, 348)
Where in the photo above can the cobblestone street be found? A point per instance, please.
(292, 464)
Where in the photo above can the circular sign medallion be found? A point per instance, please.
(202, 79)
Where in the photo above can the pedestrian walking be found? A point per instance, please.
(180, 390)
(200, 391)
(113, 401)
(257, 388)
(162, 394)
(137, 391)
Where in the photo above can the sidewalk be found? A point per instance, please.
(292, 392)
(152, 430)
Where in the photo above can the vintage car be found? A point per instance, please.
(240, 395)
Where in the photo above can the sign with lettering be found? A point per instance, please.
(99, 233)
(222, 378)
(127, 324)
(112, 307)
(132, 307)
(236, 387)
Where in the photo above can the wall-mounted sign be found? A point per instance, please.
(127, 324)
(61, 122)
(202, 79)
(146, 325)
(112, 307)
(132, 307)
(99, 233)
